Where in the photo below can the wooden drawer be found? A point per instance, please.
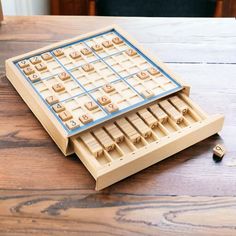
(127, 157)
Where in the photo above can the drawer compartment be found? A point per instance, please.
(147, 136)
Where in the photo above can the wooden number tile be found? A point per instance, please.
(64, 76)
(104, 100)
(117, 40)
(28, 71)
(153, 71)
(23, 64)
(111, 107)
(75, 55)
(219, 151)
(147, 116)
(88, 67)
(46, 56)
(72, 124)
(58, 107)
(91, 105)
(130, 52)
(92, 144)
(104, 139)
(35, 60)
(147, 93)
(41, 67)
(171, 111)
(143, 75)
(58, 52)
(34, 78)
(52, 100)
(86, 51)
(115, 132)
(97, 47)
(128, 130)
(139, 124)
(58, 87)
(107, 44)
(179, 104)
(86, 118)
(158, 113)
(65, 115)
(108, 88)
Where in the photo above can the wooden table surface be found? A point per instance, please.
(44, 193)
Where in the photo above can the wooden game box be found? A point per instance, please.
(105, 98)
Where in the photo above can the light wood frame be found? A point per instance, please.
(133, 162)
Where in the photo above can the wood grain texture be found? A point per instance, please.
(44, 193)
(78, 212)
(69, 7)
(229, 8)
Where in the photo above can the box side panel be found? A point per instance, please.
(37, 107)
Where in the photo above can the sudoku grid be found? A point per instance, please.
(95, 79)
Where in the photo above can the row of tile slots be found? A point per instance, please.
(128, 134)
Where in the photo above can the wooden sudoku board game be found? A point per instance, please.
(102, 96)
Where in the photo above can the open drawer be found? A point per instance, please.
(126, 145)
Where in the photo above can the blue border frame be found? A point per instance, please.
(108, 116)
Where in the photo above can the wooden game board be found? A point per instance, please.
(103, 97)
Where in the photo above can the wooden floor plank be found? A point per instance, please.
(56, 212)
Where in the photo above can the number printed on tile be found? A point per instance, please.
(86, 118)
(23, 63)
(117, 40)
(153, 71)
(143, 75)
(91, 105)
(97, 47)
(28, 70)
(64, 76)
(108, 88)
(75, 55)
(35, 60)
(58, 52)
(88, 67)
(104, 100)
(72, 124)
(34, 78)
(86, 51)
(107, 44)
(41, 67)
(65, 115)
(130, 52)
(46, 56)
(58, 107)
(111, 107)
(52, 99)
(58, 87)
